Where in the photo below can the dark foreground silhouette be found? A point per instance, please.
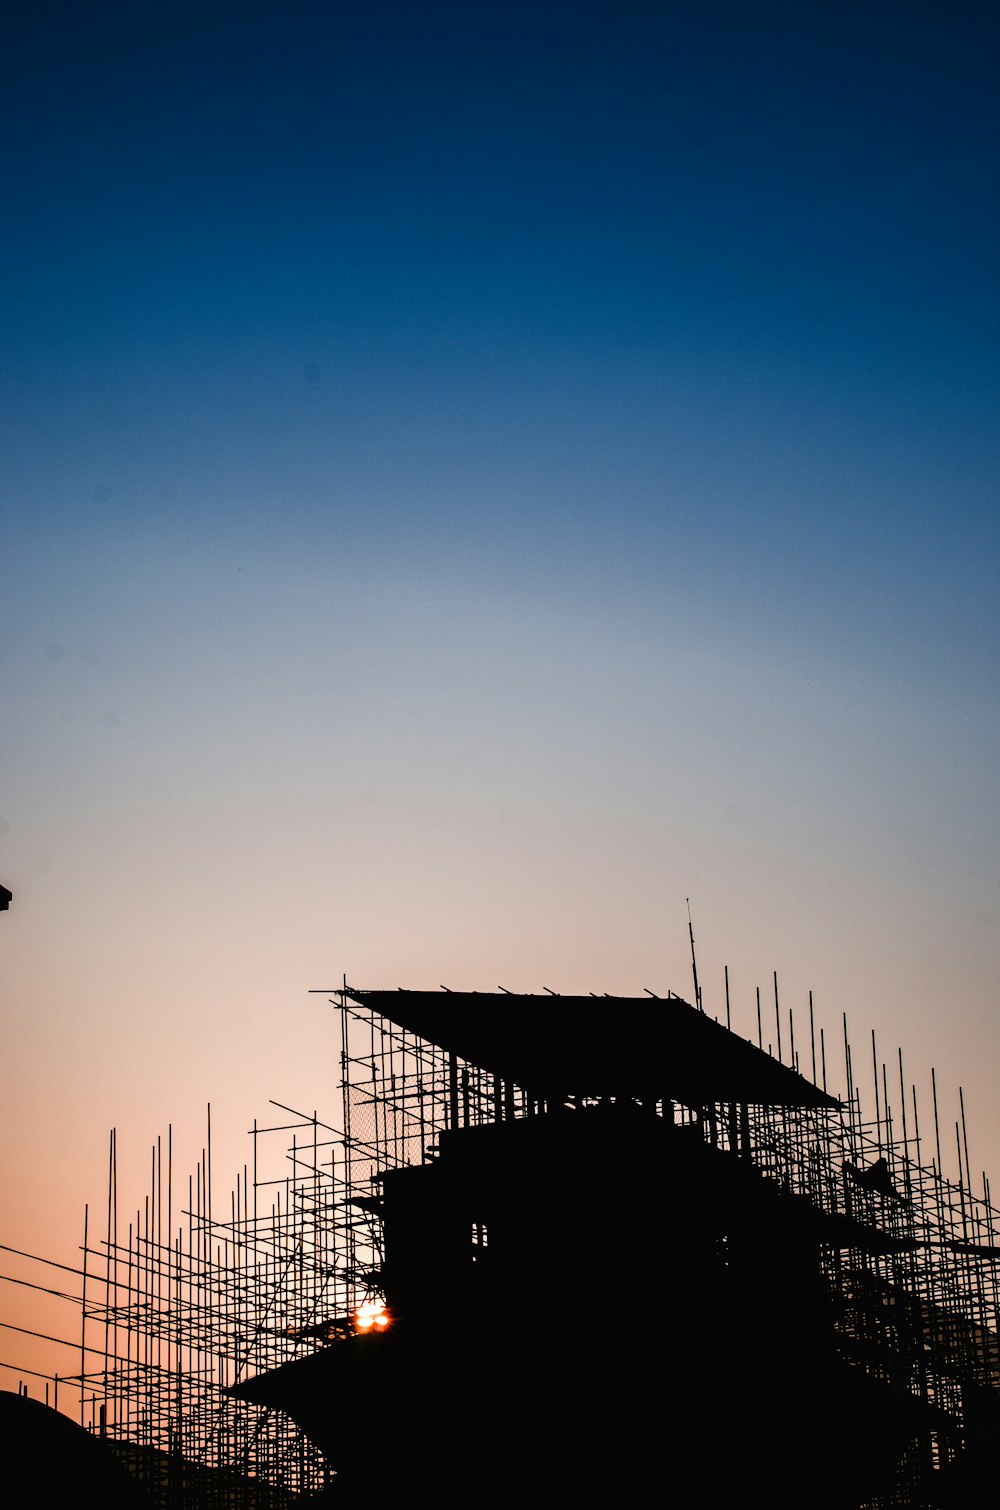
(50, 1461)
(531, 1350)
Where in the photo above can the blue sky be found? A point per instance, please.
(473, 478)
(671, 300)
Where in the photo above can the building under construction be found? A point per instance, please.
(575, 1246)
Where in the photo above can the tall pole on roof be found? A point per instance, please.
(694, 962)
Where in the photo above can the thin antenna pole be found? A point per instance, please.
(965, 1140)
(777, 1017)
(812, 1037)
(937, 1125)
(728, 1022)
(694, 962)
(83, 1315)
(109, 1346)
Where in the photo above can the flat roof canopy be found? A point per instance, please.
(597, 1046)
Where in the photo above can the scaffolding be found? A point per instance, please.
(187, 1300)
(193, 1296)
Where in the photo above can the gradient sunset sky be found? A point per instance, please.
(475, 476)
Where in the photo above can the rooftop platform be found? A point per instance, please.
(569, 1046)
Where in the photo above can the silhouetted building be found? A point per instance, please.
(622, 1249)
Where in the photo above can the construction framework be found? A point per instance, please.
(193, 1296)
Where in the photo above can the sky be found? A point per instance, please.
(474, 478)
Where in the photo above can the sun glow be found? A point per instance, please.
(371, 1316)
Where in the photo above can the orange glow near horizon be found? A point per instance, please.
(371, 1315)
